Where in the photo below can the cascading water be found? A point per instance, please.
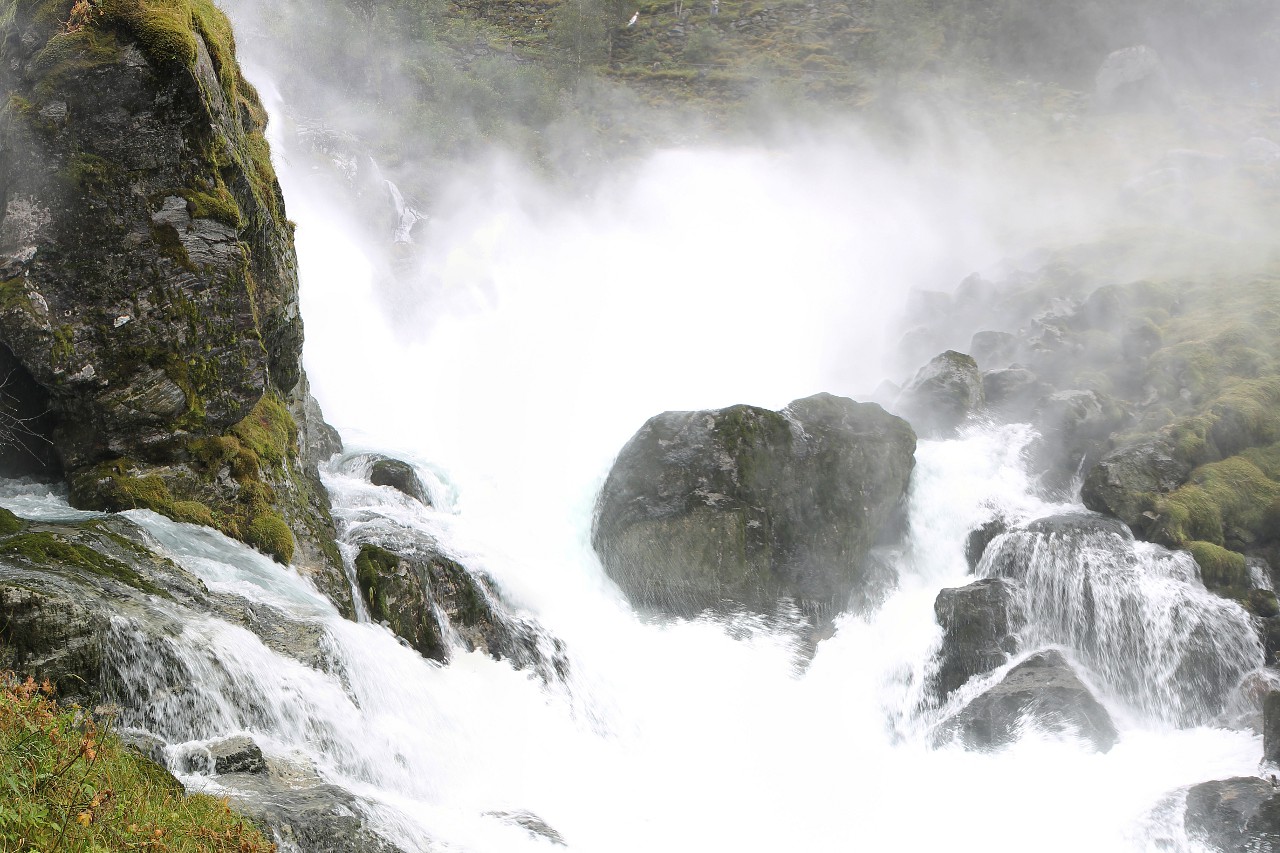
(624, 734)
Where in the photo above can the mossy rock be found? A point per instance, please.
(1220, 569)
(9, 523)
(46, 549)
(270, 534)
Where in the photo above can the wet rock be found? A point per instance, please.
(742, 507)
(994, 350)
(943, 394)
(1012, 393)
(237, 755)
(1075, 428)
(304, 813)
(1240, 815)
(1271, 727)
(1121, 483)
(432, 601)
(400, 476)
(532, 824)
(979, 625)
(1043, 691)
(1132, 78)
(976, 542)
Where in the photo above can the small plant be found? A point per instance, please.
(82, 15)
(67, 783)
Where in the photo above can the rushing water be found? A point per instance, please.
(555, 335)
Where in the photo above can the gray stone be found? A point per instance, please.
(1240, 815)
(979, 626)
(741, 507)
(943, 394)
(1271, 728)
(1043, 691)
(400, 476)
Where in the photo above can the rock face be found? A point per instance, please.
(943, 393)
(149, 284)
(979, 623)
(1044, 691)
(739, 507)
(1235, 815)
(1123, 481)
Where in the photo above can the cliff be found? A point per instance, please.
(148, 282)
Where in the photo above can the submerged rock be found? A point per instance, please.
(943, 394)
(742, 507)
(979, 626)
(1043, 691)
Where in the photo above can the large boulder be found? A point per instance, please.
(979, 631)
(1240, 815)
(741, 507)
(1043, 691)
(149, 283)
(1074, 428)
(943, 394)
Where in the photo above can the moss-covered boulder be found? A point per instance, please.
(742, 507)
(149, 278)
(943, 394)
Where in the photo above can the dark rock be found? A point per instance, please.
(400, 476)
(424, 597)
(741, 507)
(976, 542)
(1271, 727)
(1270, 630)
(1012, 393)
(1042, 690)
(979, 626)
(1240, 815)
(943, 394)
(1123, 481)
(237, 755)
(1132, 78)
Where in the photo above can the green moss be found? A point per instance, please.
(269, 431)
(219, 205)
(48, 549)
(112, 486)
(1226, 503)
(372, 564)
(90, 173)
(270, 534)
(63, 349)
(1219, 568)
(9, 523)
(13, 294)
(166, 240)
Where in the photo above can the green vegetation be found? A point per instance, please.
(67, 782)
(271, 535)
(48, 550)
(9, 523)
(373, 564)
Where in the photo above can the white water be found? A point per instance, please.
(538, 340)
